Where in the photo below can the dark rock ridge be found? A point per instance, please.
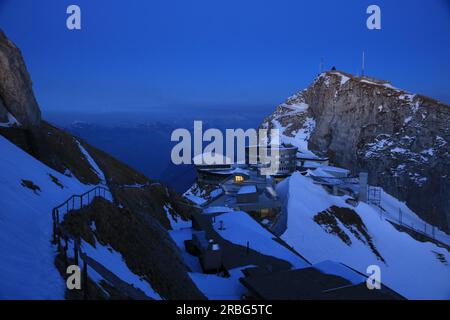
(143, 243)
(16, 93)
(364, 124)
(136, 223)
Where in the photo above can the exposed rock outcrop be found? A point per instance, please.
(3, 113)
(143, 243)
(16, 93)
(135, 223)
(401, 139)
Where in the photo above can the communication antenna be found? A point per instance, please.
(321, 66)
(363, 63)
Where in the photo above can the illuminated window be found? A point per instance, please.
(238, 179)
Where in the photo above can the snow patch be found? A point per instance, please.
(12, 122)
(93, 164)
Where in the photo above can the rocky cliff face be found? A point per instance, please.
(401, 139)
(136, 222)
(16, 93)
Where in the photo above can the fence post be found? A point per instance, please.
(58, 236)
(85, 278)
(66, 246)
(59, 241)
(54, 225)
(75, 251)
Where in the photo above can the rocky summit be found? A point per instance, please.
(17, 102)
(401, 139)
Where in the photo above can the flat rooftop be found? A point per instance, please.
(226, 200)
(248, 189)
(310, 284)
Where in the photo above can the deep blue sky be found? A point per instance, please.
(238, 53)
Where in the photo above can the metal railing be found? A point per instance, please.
(418, 227)
(76, 202)
(62, 238)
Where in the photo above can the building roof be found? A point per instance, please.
(229, 200)
(334, 169)
(247, 189)
(232, 171)
(216, 209)
(297, 284)
(308, 155)
(312, 164)
(208, 158)
(328, 171)
(331, 280)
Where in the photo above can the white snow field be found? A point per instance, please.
(27, 268)
(411, 268)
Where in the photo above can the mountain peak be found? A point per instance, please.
(18, 105)
(366, 124)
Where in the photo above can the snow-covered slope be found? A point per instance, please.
(27, 269)
(359, 236)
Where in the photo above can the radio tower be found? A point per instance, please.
(363, 63)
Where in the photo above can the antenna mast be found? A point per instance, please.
(363, 63)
